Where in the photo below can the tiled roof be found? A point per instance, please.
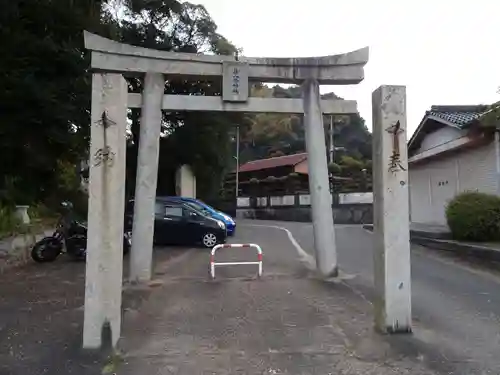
(459, 115)
(279, 161)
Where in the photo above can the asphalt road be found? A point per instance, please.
(456, 305)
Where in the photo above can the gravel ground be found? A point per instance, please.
(41, 318)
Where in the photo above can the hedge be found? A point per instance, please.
(474, 216)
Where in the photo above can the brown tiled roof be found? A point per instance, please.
(279, 161)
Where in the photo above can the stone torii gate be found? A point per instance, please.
(110, 99)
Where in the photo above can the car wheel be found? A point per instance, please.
(209, 240)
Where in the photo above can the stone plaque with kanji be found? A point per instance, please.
(235, 81)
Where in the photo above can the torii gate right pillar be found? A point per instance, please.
(391, 211)
(319, 187)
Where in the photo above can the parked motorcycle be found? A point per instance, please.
(70, 236)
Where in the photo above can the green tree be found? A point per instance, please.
(201, 140)
(45, 96)
(269, 133)
(44, 101)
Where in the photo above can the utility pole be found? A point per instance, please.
(497, 157)
(237, 157)
(332, 149)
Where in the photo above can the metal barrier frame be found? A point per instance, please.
(221, 246)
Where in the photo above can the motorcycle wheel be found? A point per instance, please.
(46, 250)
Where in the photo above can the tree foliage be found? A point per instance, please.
(269, 134)
(201, 140)
(44, 99)
(45, 96)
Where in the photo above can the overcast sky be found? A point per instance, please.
(444, 51)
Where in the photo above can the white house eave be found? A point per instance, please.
(424, 120)
(448, 146)
(443, 121)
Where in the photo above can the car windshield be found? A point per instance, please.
(207, 207)
(198, 208)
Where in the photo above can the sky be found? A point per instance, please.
(445, 52)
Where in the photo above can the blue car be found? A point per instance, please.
(210, 211)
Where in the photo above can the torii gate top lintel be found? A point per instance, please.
(112, 56)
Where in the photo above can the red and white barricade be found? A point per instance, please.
(213, 263)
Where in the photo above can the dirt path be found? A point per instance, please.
(41, 318)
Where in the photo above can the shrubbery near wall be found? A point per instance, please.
(474, 216)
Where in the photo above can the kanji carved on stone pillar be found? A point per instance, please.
(395, 159)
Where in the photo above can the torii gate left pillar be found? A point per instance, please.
(106, 202)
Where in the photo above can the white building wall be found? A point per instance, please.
(439, 137)
(478, 170)
(420, 197)
(433, 184)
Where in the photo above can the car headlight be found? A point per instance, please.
(228, 218)
(221, 224)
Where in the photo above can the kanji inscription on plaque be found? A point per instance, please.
(235, 81)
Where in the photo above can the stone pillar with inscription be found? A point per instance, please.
(391, 211)
(103, 279)
(319, 186)
(141, 257)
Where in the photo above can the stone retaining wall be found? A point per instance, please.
(15, 251)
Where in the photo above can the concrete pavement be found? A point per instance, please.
(456, 304)
(288, 322)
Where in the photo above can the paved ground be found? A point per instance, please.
(41, 318)
(288, 322)
(456, 304)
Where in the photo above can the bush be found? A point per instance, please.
(9, 223)
(334, 169)
(474, 216)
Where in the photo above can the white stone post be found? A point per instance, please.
(321, 199)
(391, 211)
(103, 279)
(141, 257)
